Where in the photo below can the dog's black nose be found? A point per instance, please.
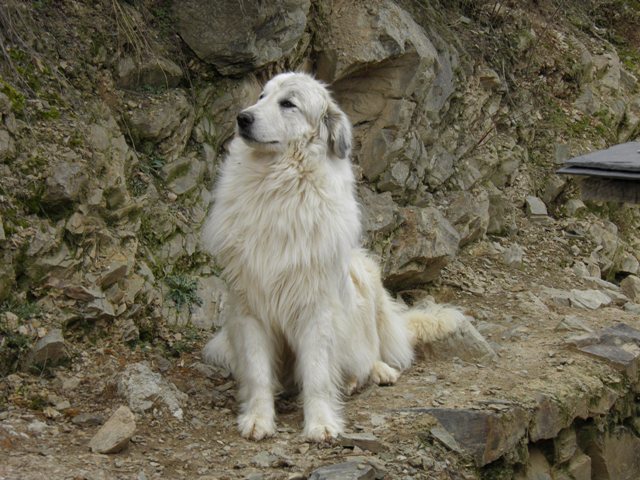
(245, 119)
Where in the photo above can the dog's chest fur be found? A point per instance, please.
(284, 229)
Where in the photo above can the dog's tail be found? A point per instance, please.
(433, 322)
(401, 329)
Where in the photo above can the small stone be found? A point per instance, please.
(565, 445)
(553, 188)
(580, 269)
(163, 364)
(71, 383)
(144, 388)
(579, 467)
(130, 331)
(51, 412)
(572, 323)
(264, 459)
(63, 405)
(574, 206)
(445, 438)
(183, 175)
(589, 299)
(631, 287)
(365, 441)
(513, 255)
(50, 350)
(115, 272)
(304, 448)
(632, 307)
(535, 207)
(344, 471)
(115, 434)
(629, 264)
(88, 419)
(37, 427)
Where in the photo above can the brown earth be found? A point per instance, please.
(532, 359)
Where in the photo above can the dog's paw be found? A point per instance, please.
(321, 433)
(351, 386)
(256, 427)
(383, 374)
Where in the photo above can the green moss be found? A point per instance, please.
(24, 310)
(17, 99)
(630, 58)
(599, 125)
(51, 114)
(13, 220)
(76, 139)
(183, 291)
(33, 202)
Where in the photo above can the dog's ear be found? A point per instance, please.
(339, 129)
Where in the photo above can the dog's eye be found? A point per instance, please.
(261, 96)
(286, 104)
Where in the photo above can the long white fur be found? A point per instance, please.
(307, 303)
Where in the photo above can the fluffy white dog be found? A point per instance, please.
(307, 306)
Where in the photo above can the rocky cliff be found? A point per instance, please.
(115, 114)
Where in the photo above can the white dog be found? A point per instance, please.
(307, 305)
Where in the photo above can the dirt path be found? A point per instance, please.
(511, 309)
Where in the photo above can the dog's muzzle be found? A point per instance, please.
(245, 120)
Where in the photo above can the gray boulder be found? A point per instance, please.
(114, 435)
(631, 287)
(379, 215)
(65, 183)
(381, 65)
(424, 243)
(535, 207)
(469, 214)
(238, 37)
(166, 120)
(184, 175)
(155, 72)
(49, 351)
(144, 388)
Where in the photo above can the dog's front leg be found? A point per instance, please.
(255, 376)
(319, 376)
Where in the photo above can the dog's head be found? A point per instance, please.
(294, 107)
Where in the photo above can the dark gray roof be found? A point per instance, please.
(620, 161)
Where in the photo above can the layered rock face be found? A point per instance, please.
(459, 115)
